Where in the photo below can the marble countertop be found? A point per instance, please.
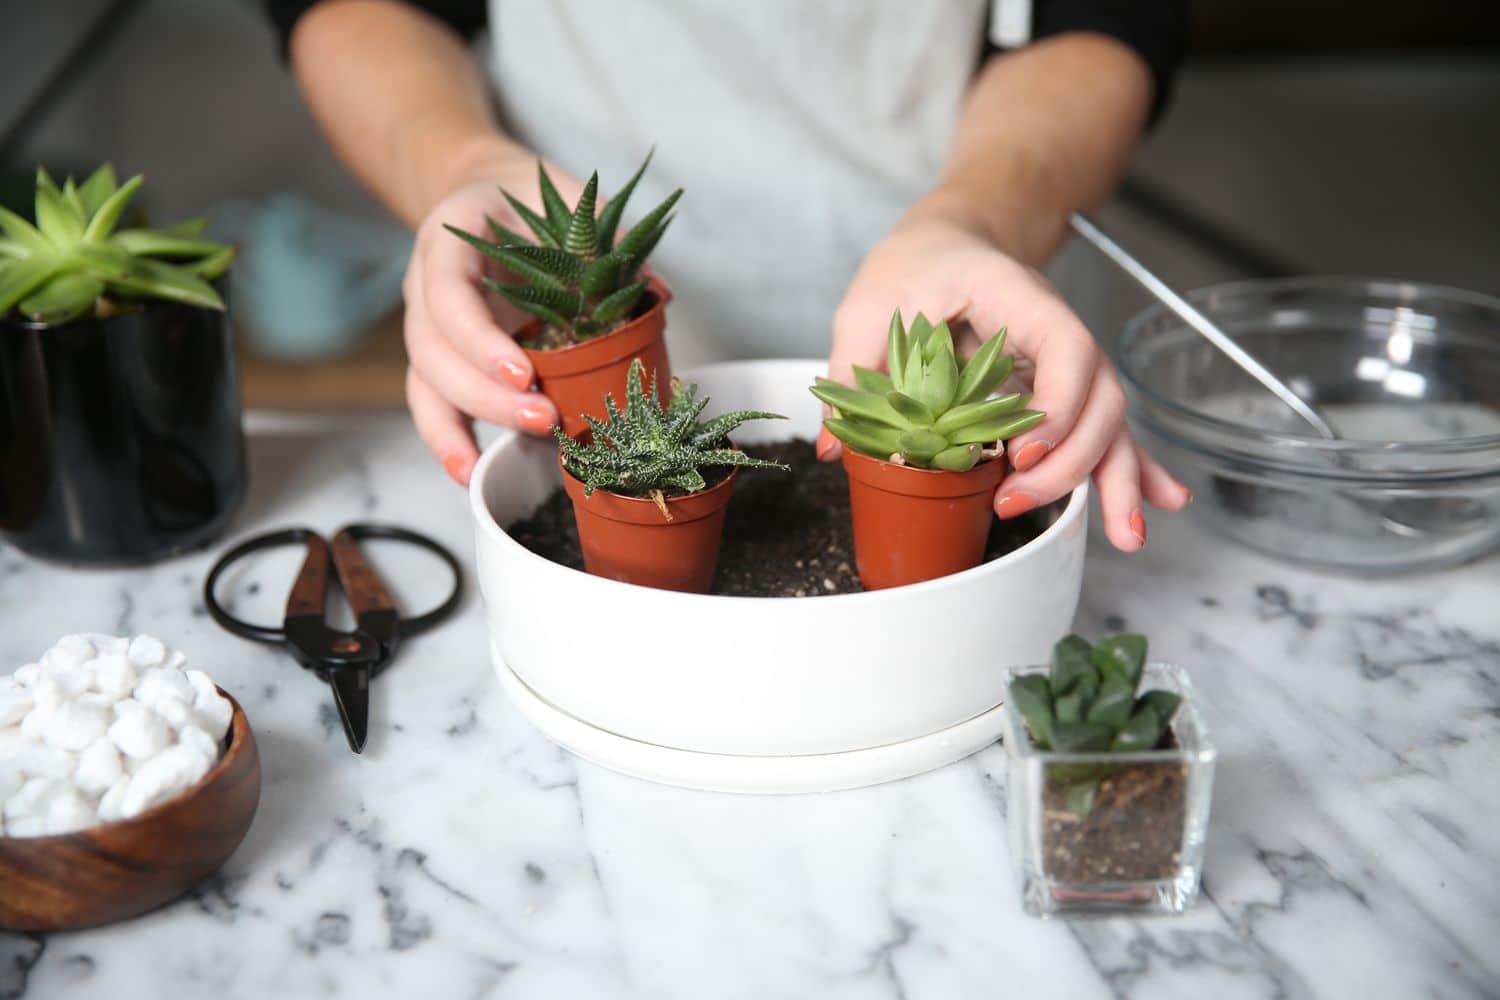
(1354, 849)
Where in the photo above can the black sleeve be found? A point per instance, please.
(464, 16)
(1156, 29)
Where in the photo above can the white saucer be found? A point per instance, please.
(754, 775)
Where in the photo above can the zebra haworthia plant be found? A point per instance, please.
(646, 451)
(1087, 702)
(75, 262)
(932, 411)
(575, 277)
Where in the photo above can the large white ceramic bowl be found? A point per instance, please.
(760, 694)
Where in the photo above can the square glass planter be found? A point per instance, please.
(1138, 848)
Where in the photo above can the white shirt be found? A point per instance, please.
(800, 130)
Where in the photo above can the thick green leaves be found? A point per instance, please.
(104, 221)
(554, 305)
(896, 350)
(958, 458)
(54, 218)
(65, 297)
(95, 191)
(979, 413)
(919, 331)
(24, 233)
(638, 241)
(1070, 662)
(503, 236)
(155, 243)
(939, 383)
(1080, 737)
(1142, 732)
(999, 429)
(617, 305)
(939, 342)
(1080, 796)
(609, 219)
(867, 439)
(914, 412)
(536, 223)
(156, 279)
(558, 216)
(1123, 654)
(865, 379)
(1165, 703)
(602, 276)
(922, 445)
(1113, 704)
(18, 278)
(583, 235)
(856, 403)
(1032, 696)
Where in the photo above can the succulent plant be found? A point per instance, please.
(1087, 703)
(932, 411)
(74, 262)
(648, 452)
(576, 278)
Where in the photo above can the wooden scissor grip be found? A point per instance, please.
(363, 586)
(309, 594)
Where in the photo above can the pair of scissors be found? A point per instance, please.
(347, 661)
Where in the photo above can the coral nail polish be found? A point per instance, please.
(533, 419)
(1030, 454)
(1015, 504)
(458, 468)
(1138, 526)
(515, 374)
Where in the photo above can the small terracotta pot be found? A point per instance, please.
(576, 378)
(627, 539)
(912, 525)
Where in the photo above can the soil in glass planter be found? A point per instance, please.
(786, 534)
(1133, 833)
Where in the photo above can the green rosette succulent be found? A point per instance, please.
(574, 276)
(75, 262)
(933, 411)
(648, 451)
(1088, 702)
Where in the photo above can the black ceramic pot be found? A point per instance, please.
(120, 438)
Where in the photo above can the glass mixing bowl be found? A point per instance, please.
(1409, 375)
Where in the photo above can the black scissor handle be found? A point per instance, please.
(305, 536)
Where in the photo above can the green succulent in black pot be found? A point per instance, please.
(120, 438)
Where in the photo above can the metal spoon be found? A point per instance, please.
(1417, 518)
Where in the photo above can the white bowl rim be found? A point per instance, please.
(1076, 508)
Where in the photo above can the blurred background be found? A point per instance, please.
(1332, 136)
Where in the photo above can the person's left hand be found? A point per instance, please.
(937, 263)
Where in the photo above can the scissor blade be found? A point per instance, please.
(351, 694)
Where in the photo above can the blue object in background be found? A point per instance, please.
(309, 282)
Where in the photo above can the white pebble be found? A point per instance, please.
(166, 775)
(146, 651)
(69, 653)
(113, 675)
(15, 702)
(214, 714)
(28, 674)
(99, 767)
(40, 760)
(160, 683)
(26, 826)
(48, 694)
(140, 733)
(11, 741)
(68, 812)
(199, 741)
(34, 798)
(35, 723)
(109, 805)
(11, 781)
(71, 681)
(73, 726)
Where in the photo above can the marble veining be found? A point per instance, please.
(1353, 849)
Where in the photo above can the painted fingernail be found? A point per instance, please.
(1138, 526)
(1015, 504)
(1031, 453)
(1188, 494)
(458, 468)
(533, 419)
(516, 375)
(825, 449)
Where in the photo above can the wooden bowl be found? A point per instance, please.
(120, 870)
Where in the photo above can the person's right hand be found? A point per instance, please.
(463, 361)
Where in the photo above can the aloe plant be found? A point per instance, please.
(1087, 702)
(932, 411)
(75, 262)
(646, 451)
(575, 277)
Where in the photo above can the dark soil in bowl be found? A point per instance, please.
(787, 534)
(1133, 833)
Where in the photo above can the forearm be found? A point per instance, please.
(1045, 131)
(398, 96)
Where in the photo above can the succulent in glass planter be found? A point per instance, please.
(923, 445)
(649, 484)
(1111, 770)
(119, 395)
(594, 309)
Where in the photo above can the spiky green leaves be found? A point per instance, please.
(575, 277)
(932, 411)
(646, 451)
(74, 257)
(1087, 703)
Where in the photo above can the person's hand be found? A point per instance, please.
(937, 263)
(464, 362)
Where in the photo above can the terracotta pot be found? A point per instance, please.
(912, 525)
(627, 539)
(576, 378)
